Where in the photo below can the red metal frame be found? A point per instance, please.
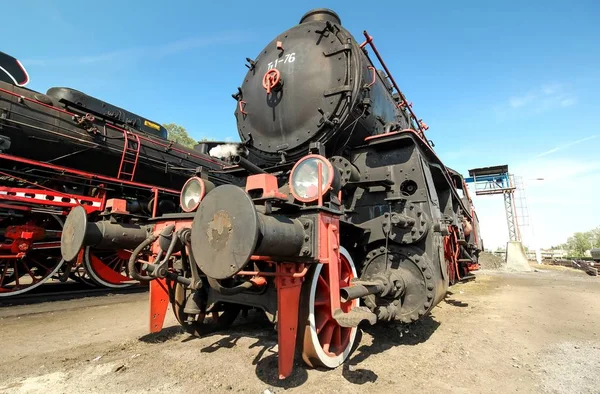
(84, 174)
(288, 277)
(52, 198)
(159, 303)
(127, 150)
(267, 183)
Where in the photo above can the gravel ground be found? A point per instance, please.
(504, 332)
(490, 261)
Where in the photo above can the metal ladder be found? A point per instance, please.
(129, 159)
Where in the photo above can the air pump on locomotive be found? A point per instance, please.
(347, 214)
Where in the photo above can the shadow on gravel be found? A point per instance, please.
(450, 301)
(385, 336)
(163, 335)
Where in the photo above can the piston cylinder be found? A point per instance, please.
(78, 233)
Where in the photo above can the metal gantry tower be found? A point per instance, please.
(497, 180)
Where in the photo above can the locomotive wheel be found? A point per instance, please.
(40, 263)
(326, 343)
(203, 323)
(108, 268)
(79, 274)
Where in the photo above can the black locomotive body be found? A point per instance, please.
(325, 90)
(65, 148)
(347, 214)
(71, 129)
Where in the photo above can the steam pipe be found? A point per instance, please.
(247, 165)
(358, 291)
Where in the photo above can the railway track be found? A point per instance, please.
(64, 292)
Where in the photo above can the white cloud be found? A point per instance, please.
(541, 99)
(567, 145)
(141, 53)
(521, 101)
(568, 102)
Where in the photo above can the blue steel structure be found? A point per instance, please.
(497, 180)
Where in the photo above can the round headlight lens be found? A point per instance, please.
(191, 194)
(304, 178)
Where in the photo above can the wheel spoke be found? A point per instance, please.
(4, 271)
(320, 323)
(33, 277)
(326, 336)
(39, 264)
(321, 299)
(326, 343)
(336, 342)
(323, 286)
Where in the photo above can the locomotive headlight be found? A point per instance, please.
(193, 192)
(304, 178)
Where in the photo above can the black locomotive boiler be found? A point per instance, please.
(347, 214)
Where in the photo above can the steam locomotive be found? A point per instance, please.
(65, 148)
(346, 214)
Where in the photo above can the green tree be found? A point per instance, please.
(595, 237)
(179, 134)
(579, 243)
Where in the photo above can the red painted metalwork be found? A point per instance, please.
(105, 272)
(23, 237)
(374, 76)
(117, 205)
(369, 40)
(242, 105)
(267, 183)
(403, 104)
(82, 173)
(288, 303)
(52, 198)
(332, 338)
(17, 207)
(271, 78)
(155, 202)
(299, 274)
(333, 260)
(320, 183)
(159, 303)
(128, 150)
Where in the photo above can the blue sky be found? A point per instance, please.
(497, 82)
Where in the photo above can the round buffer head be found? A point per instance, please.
(224, 232)
(73, 233)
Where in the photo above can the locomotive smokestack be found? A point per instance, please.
(321, 14)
